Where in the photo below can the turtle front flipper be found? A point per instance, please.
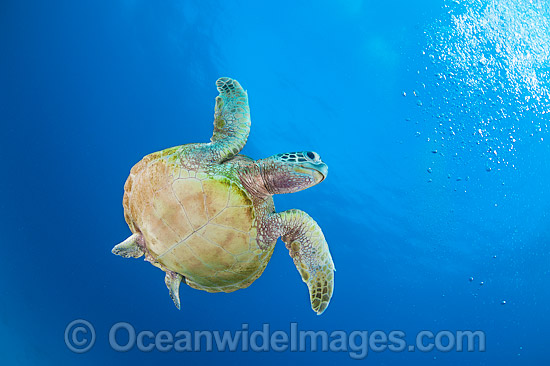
(309, 250)
(231, 118)
(231, 127)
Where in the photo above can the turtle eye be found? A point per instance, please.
(313, 156)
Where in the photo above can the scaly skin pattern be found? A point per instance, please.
(231, 127)
(205, 215)
(309, 251)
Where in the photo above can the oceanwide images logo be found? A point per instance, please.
(80, 337)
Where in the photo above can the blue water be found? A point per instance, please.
(405, 106)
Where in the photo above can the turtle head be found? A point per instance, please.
(292, 172)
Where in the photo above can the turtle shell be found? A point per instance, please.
(198, 224)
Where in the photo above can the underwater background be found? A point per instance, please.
(432, 117)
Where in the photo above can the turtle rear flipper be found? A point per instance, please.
(130, 248)
(309, 250)
(173, 281)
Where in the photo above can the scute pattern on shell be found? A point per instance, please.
(196, 223)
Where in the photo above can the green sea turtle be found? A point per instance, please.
(205, 215)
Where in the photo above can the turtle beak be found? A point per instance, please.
(318, 171)
(322, 169)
